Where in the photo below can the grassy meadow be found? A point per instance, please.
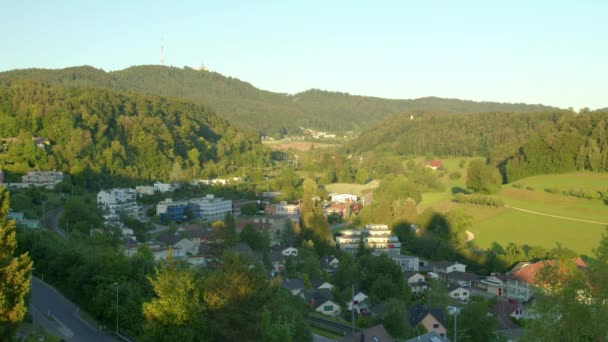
(504, 225)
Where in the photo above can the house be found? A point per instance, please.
(290, 251)
(464, 279)
(282, 209)
(434, 164)
(503, 311)
(456, 291)
(295, 285)
(322, 301)
(431, 320)
(407, 263)
(318, 284)
(41, 142)
(416, 281)
(448, 266)
(360, 302)
(329, 264)
(494, 284)
(182, 246)
(428, 337)
(343, 198)
(376, 333)
(521, 281)
(336, 208)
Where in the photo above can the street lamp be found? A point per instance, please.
(32, 300)
(116, 284)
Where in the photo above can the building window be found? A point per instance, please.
(328, 308)
(456, 294)
(435, 326)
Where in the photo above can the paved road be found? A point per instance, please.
(51, 221)
(59, 316)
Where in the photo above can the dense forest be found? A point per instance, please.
(117, 134)
(248, 107)
(456, 135)
(579, 143)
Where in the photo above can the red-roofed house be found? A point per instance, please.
(523, 278)
(434, 164)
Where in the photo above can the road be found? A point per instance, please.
(51, 221)
(555, 216)
(61, 317)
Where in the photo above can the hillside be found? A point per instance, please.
(496, 134)
(267, 112)
(121, 134)
(579, 143)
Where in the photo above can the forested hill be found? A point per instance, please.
(440, 134)
(118, 134)
(579, 143)
(252, 108)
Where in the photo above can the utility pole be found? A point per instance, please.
(116, 284)
(455, 324)
(352, 311)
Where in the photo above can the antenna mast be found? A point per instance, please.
(162, 50)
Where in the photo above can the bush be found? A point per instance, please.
(517, 185)
(478, 200)
(455, 175)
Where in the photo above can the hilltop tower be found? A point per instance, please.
(162, 50)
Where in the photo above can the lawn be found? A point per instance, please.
(351, 188)
(573, 180)
(506, 225)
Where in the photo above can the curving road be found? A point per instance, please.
(61, 317)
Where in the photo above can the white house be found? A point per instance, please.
(164, 187)
(448, 266)
(458, 292)
(328, 308)
(407, 263)
(493, 285)
(290, 251)
(359, 299)
(343, 198)
(416, 281)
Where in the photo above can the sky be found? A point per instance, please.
(547, 52)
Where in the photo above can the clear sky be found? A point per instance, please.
(549, 52)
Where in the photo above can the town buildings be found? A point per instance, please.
(116, 203)
(374, 236)
(208, 208)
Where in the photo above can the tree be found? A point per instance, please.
(234, 294)
(312, 218)
(482, 178)
(572, 301)
(231, 235)
(253, 238)
(395, 318)
(178, 311)
(474, 324)
(14, 273)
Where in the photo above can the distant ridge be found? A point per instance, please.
(249, 107)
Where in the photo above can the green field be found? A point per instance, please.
(351, 188)
(504, 225)
(573, 180)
